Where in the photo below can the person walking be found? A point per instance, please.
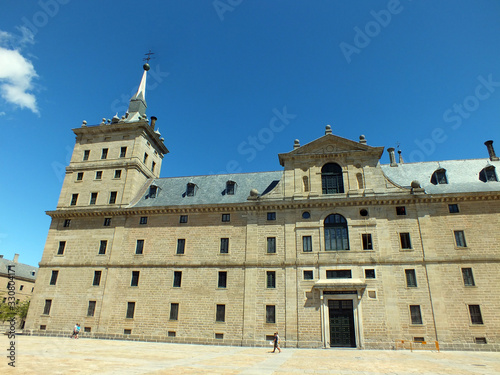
(76, 331)
(276, 342)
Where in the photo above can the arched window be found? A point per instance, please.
(331, 179)
(230, 187)
(336, 235)
(439, 177)
(488, 174)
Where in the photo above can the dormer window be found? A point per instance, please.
(331, 179)
(230, 187)
(488, 174)
(439, 177)
(190, 190)
(153, 190)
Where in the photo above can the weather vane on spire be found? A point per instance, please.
(146, 66)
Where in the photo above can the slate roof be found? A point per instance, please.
(462, 175)
(209, 189)
(21, 270)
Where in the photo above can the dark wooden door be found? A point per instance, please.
(341, 323)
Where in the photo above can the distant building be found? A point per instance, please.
(335, 250)
(24, 279)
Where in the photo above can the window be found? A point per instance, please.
(153, 165)
(183, 219)
(230, 187)
(271, 245)
(181, 244)
(468, 277)
(174, 311)
(222, 283)
(460, 238)
(98, 175)
(439, 177)
(139, 247)
(488, 174)
(331, 179)
(62, 245)
(21, 287)
(86, 155)
(67, 223)
(306, 215)
(53, 278)
(145, 158)
(135, 278)
(226, 217)
(102, 247)
(130, 310)
(107, 221)
(127, 331)
(104, 153)
(338, 274)
(480, 340)
(123, 152)
(118, 173)
(271, 279)
(171, 333)
(87, 329)
(190, 190)
(453, 208)
(93, 198)
(79, 176)
(220, 315)
(475, 314)
(112, 197)
(46, 308)
(74, 199)
(401, 210)
(91, 309)
(177, 279)
(369, 273)
(411, 278)
(270, 314)
(405, 240)
(416, 315)
(336, 235)
(367, 241)
(224, 245)
(305, 181)
(219, 336)
(43, 327)
(307, 244)
(97, 278)
(271, 216)
(153, 190)
(308, 275)
(143, 220)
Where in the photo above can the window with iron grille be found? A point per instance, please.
(460, 238)
(271, 279)
(308, 275)
(453, 208)
(367, 241)
(475, 314)
(222, 279)
(226, 218)
(91, 309)
(468, 277)
(224, 245)
(130, 310)
(174, 311)
(46, 308)
(220, 315)
(139, 247)
(271, 245)
(143, 220)
(338, 274)
(405, 240)
(181, 244)
(271, 216)
(416, 315)
(270, 314)
(411, 278)
(307, 244)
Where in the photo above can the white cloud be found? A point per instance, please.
(2, 113)
(16, 73)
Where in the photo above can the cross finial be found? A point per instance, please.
(148, 56)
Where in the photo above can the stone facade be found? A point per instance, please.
(334, 250)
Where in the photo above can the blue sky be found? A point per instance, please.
(421, 74)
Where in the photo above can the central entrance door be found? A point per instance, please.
(341, 323)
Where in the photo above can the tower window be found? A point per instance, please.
(118, 173)
(190, 190)
(271, 216)
(174, 311)
(74, 199)
(98, 175)
(53, 278)
(104, 154)
(308, 275)
(107, 221)
(79, 176)
(135, 278)
(226, 218)
(439, 177)
(224, 245)
(67, 223)
(331, 179)
(130, 310)
(416, 315)
(123, 152)
(177, 279)
(401, 210)
(488, 174)
(97, 278)
(405, 240)
(139, 248)
(468, 277)
(369, 273)
(271, 279)
(453, 208)
(102, 247)
(475, 314)
(367, 241)
(336, 235)
(460, 238)
(220, 314)
(143, 220)
(153, 165)
(62, 245)
(145, 158)
(91, 309)
(271, 245)
(181, 244)
(270, 314)
(93, 198)
(112, 197)
(183, 219)
(86, 155)
(46, 308)
(411, 278)
(222, 279)
(230, 187)
(307, 244)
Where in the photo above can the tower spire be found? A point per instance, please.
(137, 106)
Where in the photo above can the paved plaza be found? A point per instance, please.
(50, 355)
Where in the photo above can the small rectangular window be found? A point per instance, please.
(230, 187)
(460, 238)
(102, 247)
(219, 336)
(271, 216)
(62, 245)
(143, 220)
(308, 275)
(411, 278)
(338, 274)
(153, 165)
(67, 223)
(145, 158)
(118, 173)
(270, 314)
(43, 327)
(468, 277)
(222, 283)
(401, 210)
(367, 241)
(112, 197)
(405, 240)
(307, 244)
(419, 339)
(130, 310)
(53, 278)
(135, 278)
(93, 198)
(369, 273)
(271, 279)
(74, 199)
(453, 208)
(97, 278)
(123, 152)
(226, 218)
(224, 245)
(87, 329)
(139, 247)
(107, 221)
(183, 219)
(174, 311)
(171, 334)
(98, 175)
(220, 315)
(181, 244)
(86, 155)
(79, 176)
(480, 340)
(104, 154)
(177, 279)
(271, 245)
(127, 331)
(475, 314)
(91, 309)
(416, 315)
(190, 190)
(46, 308)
